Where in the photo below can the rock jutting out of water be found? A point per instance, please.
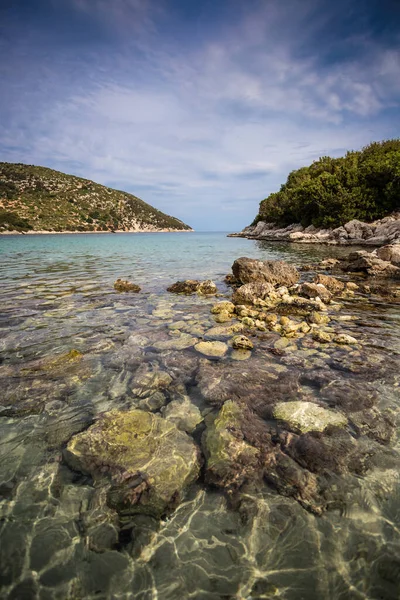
(191, 286)
(122, 285)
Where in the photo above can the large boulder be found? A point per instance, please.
(390, 253)
(366, 262)
(145, 460)
(275, 272)
(357, 230)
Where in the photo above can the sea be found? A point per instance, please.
(59, 539)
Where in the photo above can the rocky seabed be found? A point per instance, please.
(232, 439)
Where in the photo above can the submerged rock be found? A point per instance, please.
(148, 379)
(275, 272)
(145, 459)
(307, 416)
(229, 459)
(214, 349)
(184, 340)
(122, 285)
(60, 362)
(183, 413)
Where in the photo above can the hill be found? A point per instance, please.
(363, 185)
(40, 199)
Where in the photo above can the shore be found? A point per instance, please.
(354, 233)
(42, 232)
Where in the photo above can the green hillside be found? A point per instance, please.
(36, 198)
(362, 185)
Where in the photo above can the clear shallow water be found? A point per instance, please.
(57, 295)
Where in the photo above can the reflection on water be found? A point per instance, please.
(58, 538)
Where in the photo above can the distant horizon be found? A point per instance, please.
(201, 110)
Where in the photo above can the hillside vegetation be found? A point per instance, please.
(362, 185)
(37, 198)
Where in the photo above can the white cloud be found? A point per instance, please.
(193, 130)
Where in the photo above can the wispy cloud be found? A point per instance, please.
(197, 125)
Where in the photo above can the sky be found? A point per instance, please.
(201, 108)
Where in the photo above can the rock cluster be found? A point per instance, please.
(378, 233)
(263, 305)
(253, 423)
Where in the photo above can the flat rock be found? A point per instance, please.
(185, 340)
(307, 416)
(212, 348)
(145, 459)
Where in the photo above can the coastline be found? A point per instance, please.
(43, 232)
(354, 233)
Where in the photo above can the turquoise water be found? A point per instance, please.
(152, 260)
(59, 540)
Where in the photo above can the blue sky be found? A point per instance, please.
(200, 108)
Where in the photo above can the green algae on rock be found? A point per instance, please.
(229, 458)
(307, 416)
(56, 363)
(147, 461)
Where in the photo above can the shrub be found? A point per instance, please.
(363, 185)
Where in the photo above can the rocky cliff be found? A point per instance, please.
(40, 199)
